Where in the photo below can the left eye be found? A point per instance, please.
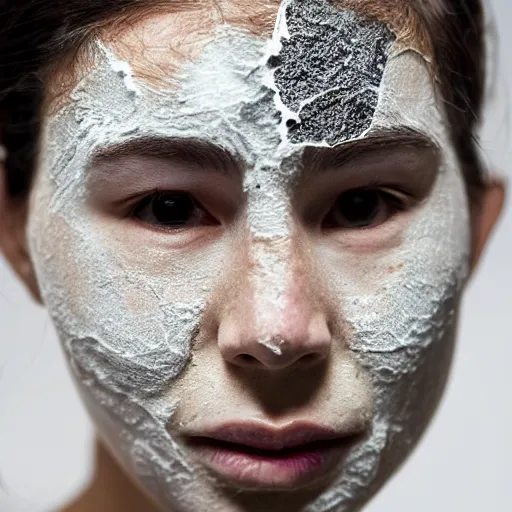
(363, 208)
(172, 210)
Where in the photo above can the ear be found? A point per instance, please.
(485, 215)
(13, 242)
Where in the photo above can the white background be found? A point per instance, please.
(463, 464)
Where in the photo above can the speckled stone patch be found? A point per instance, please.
(329, 71)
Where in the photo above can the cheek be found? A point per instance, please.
(126, 317)
(127, 327)
(402, 315)
(400, 299)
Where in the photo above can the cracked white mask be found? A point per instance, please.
(255, 269)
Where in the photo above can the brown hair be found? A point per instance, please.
(36, 34)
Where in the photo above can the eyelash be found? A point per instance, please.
(392, 200)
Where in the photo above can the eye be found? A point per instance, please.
(363, 208)
(171, 210)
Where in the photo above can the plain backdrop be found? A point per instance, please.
(463, 463)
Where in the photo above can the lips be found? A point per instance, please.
(262, 456)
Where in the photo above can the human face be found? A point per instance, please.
(253, 253)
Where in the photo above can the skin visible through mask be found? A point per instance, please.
(153, 322)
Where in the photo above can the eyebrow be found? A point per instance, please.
(185, 150)
(211, 156)
(316, 159)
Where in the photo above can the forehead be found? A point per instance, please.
(159, 41)
(304, 73)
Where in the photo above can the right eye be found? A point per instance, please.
(171, 210)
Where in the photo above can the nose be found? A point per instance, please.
(276, 318)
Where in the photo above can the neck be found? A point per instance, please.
(111, 489)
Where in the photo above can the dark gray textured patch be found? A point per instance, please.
(329, 71)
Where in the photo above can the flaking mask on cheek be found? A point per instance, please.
(327, 77)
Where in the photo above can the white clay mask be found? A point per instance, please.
(132, 305)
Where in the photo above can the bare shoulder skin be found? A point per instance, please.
(110, 490)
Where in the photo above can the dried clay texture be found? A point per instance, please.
(329, 71)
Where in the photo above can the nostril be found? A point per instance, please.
(247, 359)
(308, 359)
(305, 360)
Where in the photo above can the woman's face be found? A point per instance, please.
(253, 245)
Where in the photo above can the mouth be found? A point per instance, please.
(257, 456)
